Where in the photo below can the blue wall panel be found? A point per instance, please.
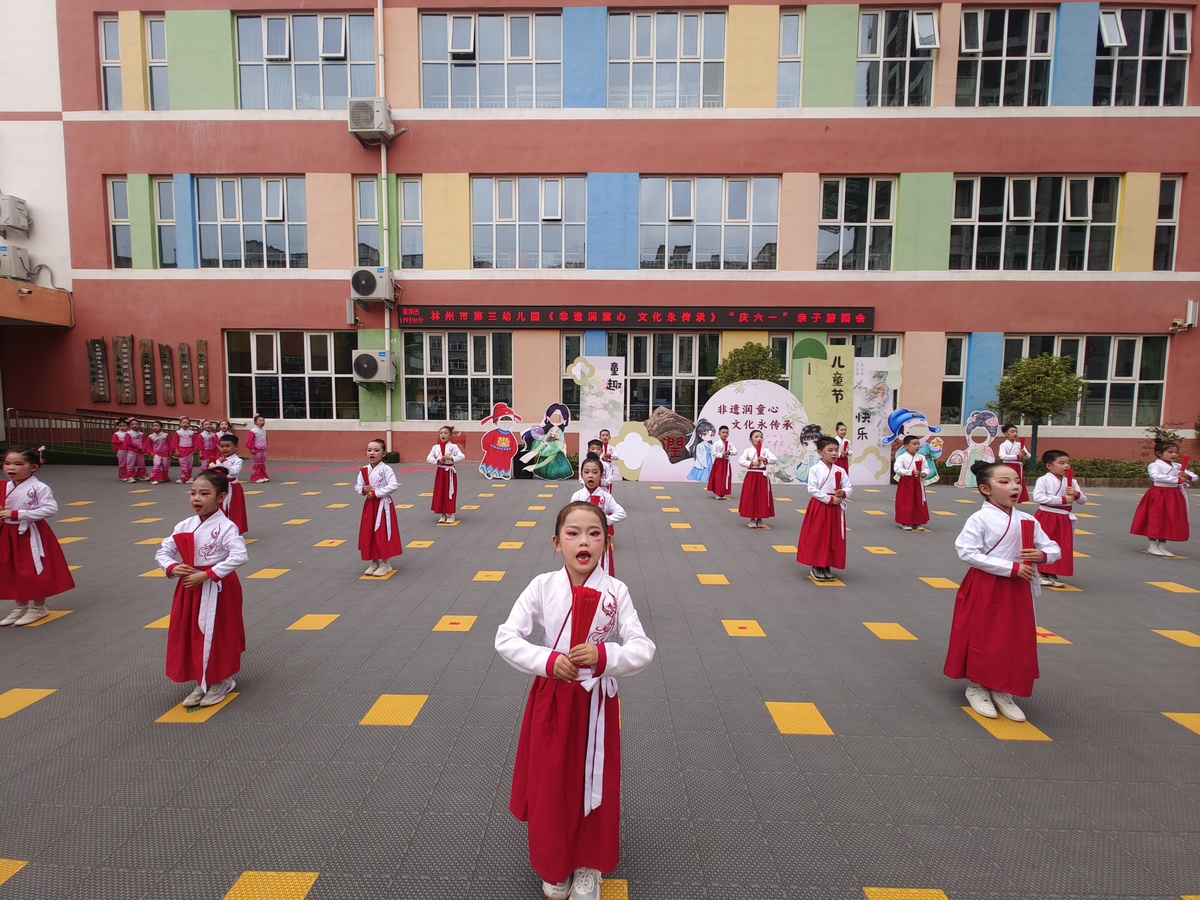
(985, 364)
(185, 222)
(1074, 68)
(612, 220)
(585, 57)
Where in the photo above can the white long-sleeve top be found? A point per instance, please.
(451, 450)
(1163, 474)
(608, 474)
(750, 455)
(218, 544)
(906, 464)
(822, 482)
(28, 502)
(1050, 493)
(612, 509)
(1012, 451)
(233, 463)
(843, 448)
(381, 479)
(991, 540)
(723, 449)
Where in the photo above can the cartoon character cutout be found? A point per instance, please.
(903, 422)
(809, 435)
(699, 444)
(547, 456)
(981, 428)
(499, 445)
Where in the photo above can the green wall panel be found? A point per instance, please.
(924, 205)
(830, 55)
(202, 59)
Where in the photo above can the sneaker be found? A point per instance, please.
(560, 891)
(920, 528)
(815, 574)
(441, 520)
(12, 617)
(906, 528)
(449, 520)
(1057, 582)
(180, 481)
(1004, 703)
(216, 692)
(981, 700)
(383, 569)
(193, 699)
(586, 885)
(829, 576)
(1045, 581)
(372, 568)
(33, 614)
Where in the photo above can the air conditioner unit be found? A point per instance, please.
(374, 366)
(14, 215)
(372, 284)
(370, 120)
(14, 263)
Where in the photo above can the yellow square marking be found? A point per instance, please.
(252, 540)
(1187, 638)
(712, 579)
(297, 521)
(164, 622)
(140, 491)
(1046, 636)
(890, 631)
(428, 494)
(783, 499)
(1081, 531)
(535, 508)
(153, 573)
(74, 568)
(960, 500)
(880, 551)
(1080, 515)
(149, 542)
(873, 490)
(81, 503)
(505, 485)
(743, 628)
(269, 573)
(784, 548)
(16, 699)
(733, 509)
(510, 545)
(614, 889)
(477, 495)
(1190, 721)
(525, 523)
(941, 583)
(74, 519)
(469, 507)
(545, 495)
(312, 622)
(657, 487)
(342, 484)
(488, 575)
(329, 543)
(337, 505)
(802, 512)
(663, 497)
(670, 509)
(419, 545)
(930, 491)
(50, 617)
(1173, 587)
(680, 525)
(270, 506)
(1067, 589)
(874, 512)
(694, 548)
(837, 582)
(408, 506)
(876, 893)
(377, 577)
(309, 493)
(944, 512)
(1007, 730)
(276, 885)
(143, 521)
(144, 503)
(244, 491)
(1079, 555)
(290, 482)
(394, 709)
(455, 623)
(70, 540)
(798, 718)
(196, 714)
(548, 485)
(10, 867)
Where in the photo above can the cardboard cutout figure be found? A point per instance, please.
(547, 443)
(904, 422)
(981, 428)
(500, 445)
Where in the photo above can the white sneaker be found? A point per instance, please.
(1156, 548)
(449, 520)
(193, 699)
(1004, 703)
(586, 885)
(216, 692)
(373, 568)
(1045, 581)
(383, 569)
(441, 519)
(1057, 582)
(557, 891)
(31, 615)
(11, 618)
(981, 700)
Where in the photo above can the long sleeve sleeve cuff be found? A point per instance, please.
(14, 514)
(554, 655)
(1015, 569)
(602, 662)
(171, 568)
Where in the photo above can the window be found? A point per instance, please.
(781, 349)
(164, 216)
(118, 224)
(1142, 57)
(1167, 228)
(366, 221)
(156, 62)
(666, 369)
(456, 375)
(110, 63)
(1042, 223)
(291, 374)
(1009, 63)
(791, 42)
(369, 233)
(304, 61)
(952, 382)
(1125, 375)
(895, 58)
(572, 349)
(867, 346)
(252, 222)
(855, 229)
(666, 59)
(708, 223)
(491, 61)
(529, 223)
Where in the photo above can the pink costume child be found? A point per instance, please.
(208, 446)
(183, 445)
(124, 473)
(256, 443)
(135, 452)
(159, 445)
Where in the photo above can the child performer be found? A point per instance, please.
(135, 451)
(1054, 493)
(444, 454)
(993, 636)
(124, 473)
(567, 775)
(206, 636)
(594, 492)
(208, 444)
(720, 479)
(223, 428)
(32, 565)
(183, 445)
(1162, 514)
(158, 442)
(608, 456)
(912, 512)
(1013, 453)
(609, 474)
(256, 443)
(842, 460)
(378, 532)
(757, 502)
(230, 464)
(822, 543)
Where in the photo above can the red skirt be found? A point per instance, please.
(375, 544)
(1162, 515)
(720, 479)
(822, 543)
(443, 503)
(547, 786)
(756, 501)
(185, 640)
(911, 508)
(843, 463)
(237, 507)
(19, 579)
(1060, 529)
(993, 636)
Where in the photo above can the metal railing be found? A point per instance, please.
(84, 429)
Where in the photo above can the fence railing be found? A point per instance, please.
(84, 429)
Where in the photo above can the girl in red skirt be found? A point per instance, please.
(378, 531)
(1055, 493)
(206, 636)
(993, 636)
(720, 478)
(756, 502)
(444, 455)
(32, 565)
(229, 464)
(1162, 514)
(1012, 453)
(912, 512)
(842, 460)
(822, 543)
(591, 473)
(567, 776)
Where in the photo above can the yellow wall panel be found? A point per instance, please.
(330, 220)
(731, 340)
(133, 59)
(1136, 218)
(751, 57)
(447, 211)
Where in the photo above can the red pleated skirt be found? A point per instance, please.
(1060, 529)
(911, 508)
(1162, 515)
(443, 504)
(185, 640)
(237, 507)
(375, 544)
(993, 635)
(19, 580)
(822, 543)
(720, 479)
(756, 501)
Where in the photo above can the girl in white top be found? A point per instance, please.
(444, 454)
(757, 502)
(720, 479)
(593, 492)
(1013, 453)
(1162, 513)
(378, 530)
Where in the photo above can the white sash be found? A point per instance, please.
(593, 772)
(208, 615)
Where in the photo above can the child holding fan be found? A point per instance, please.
(720, 479)
(756, 502)
(822, 543)
(591, 473)
(1055, 493)
(912, 512)
(444, 455)
(378, 531)
(1013, 453)
(1162, 514)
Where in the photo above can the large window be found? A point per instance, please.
(666, 59)
(156, 62)
(304, 61)
(791, 43)
(491, 60)
(1043, 223)
(291, 374)
(708, 223)
(118, 224)
(895, 58)
(1005, 57)
(953, 379)
(252, 222)
(867, 346)
(529, 222)
(1125, 374)
(367, 229)
(572, 349)
(456, 375)
(1142, 57)
(164, 214)
(1167, 228)
(666, 369)
(855, 229)
(110, 63)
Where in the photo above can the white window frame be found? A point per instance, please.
(973, 56)
(279, 214)
(155, 62)
(678, 367)
(964, 45)
(510, 184)
(1112, 29)
(786, 57)
(255, 367)
(474, 337)
(548, 214)
(109, 62)
(287, 38)
(361, 220)
(958, 377)
(1171, 222)
(334, 53)
(725, 199)
(871, 223)
(626, 99)
(309, 366)
(929, 18)
(1070, 214)
(1027, 190)
(690, 214)
(162, 220)
(115, 221)
(470, 47)
(445, 376)
(786, 338)
(345, 411)
(1174, 48)
(222, 216)
(911, 47)
(508, 33)
(288, 221)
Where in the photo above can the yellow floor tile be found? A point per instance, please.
(1080, 515)
(418, 545)
(342, 483)
(881, 893)
(164, 622)
(312, 622)
(510, 545)
(873, 490)
(469, 507)
(197, 714)
(270, 505)
(332, 542)
(546, 485)
(145, 503)
(1046, 636)
(944, 512)
(874, 512)
(153, 573)
(657, 487)
(802, 512)
(81, 503)
(784, 548)
(10, 867)
(394, 709)
(670, 509)
(73, 519)
(743, 628)
(1173, 587)
(149, 542)
(53, 614)
(733, 509)
(488, 575)
(1187, 638)
(244, 491)
(502, 484)
(297, 521)
(455, 623)
(1190, 721)
(275, 885)
(614, 889)
(890, 631)
(662, 497)
(535, 508)
(798, 718)
(448, 524)
(140, 491)
(1081, 531)
(477, 495)
(252, 540)
(525, 523)
(712, 579)
(1079, 555)
(146, 521)
(290, 482)
(693, 548)
(880, 551)
(1067, 589)
(930, 491)
(430, 494)
(16, 699)
(269, 573)
(309, 493)
(783, 499)
(410, 506)
(683, 525)
(543, 496)
(961, 500)
(74, 568)
(941, 583)
(70, 540)
(377, 577)
(1007, 730)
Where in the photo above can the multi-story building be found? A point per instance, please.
(993, 181)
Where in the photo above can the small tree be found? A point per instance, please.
(750, 362)
(1037, 388)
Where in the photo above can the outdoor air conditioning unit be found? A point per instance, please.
(370, 120)
(372, 284)
(374, 366)
(14, 263)
(14, 215)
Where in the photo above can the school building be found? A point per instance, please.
(659, 182)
